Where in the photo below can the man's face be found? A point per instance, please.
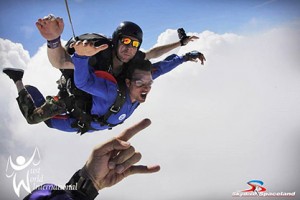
(126, 51)
(140, 85)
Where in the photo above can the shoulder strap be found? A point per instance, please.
(115, 108)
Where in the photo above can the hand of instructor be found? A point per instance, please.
(111, 162)
(50, 27)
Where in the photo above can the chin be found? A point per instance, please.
(141, 100)
(126, 60)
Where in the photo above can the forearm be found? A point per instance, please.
(85, 78)
(166, 65)
(159, 51)
(59, 58)
(82, 76)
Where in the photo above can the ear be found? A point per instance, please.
(127, 81)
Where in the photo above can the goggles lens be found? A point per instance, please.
(128, 41)
(141, 83)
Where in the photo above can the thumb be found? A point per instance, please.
(102, 47)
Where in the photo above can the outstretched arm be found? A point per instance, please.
(172, 61)
(95, 83)
(51, 28)
(166, 65)
(108, 164)
(160, 50)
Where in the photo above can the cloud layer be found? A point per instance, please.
(214, 127)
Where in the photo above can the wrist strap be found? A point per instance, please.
(52, 44)
(182, 40)
(85, 188)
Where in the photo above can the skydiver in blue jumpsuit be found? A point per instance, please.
(35, 114)
(103, 87)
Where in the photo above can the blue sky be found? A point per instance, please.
(17, 17)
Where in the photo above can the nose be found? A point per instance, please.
(147, 87)
(129, 46)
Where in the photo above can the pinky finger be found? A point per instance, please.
(141, 169)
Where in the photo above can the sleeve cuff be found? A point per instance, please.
(79, 56)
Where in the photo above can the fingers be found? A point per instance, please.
(122, 156)
(43, 21)
(49, 17)
(141, 169)
(136, 157)
(86, 48)
(79, 42)
(120, 142)
(38, 25)
(130, 132)
(193, 37)
(202, 59)
(112, 145)
(86, 43)
(50, 27)
(60, 22)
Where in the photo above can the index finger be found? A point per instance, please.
(131, 131)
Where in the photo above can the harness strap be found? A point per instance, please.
(83, 122)
(115, 108)
(80, 108)
(84, 119)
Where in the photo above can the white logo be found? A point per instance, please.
(122, 117)
(14, 170)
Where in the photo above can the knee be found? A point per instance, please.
(32, 121)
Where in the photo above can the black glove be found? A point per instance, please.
(193, 55)
(94, 38)
(182, 36)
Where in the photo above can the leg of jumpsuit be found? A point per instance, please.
(34, 114)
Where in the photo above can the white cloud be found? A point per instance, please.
(13, 55)
(214, 128)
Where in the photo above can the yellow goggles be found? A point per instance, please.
(128, 41)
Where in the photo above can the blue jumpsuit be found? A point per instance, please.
(103, 88)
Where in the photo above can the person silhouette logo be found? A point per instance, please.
(14, 169)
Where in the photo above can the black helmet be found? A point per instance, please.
(127, 28)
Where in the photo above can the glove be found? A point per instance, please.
(193, 55)
(94, 38)
(182, 36)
